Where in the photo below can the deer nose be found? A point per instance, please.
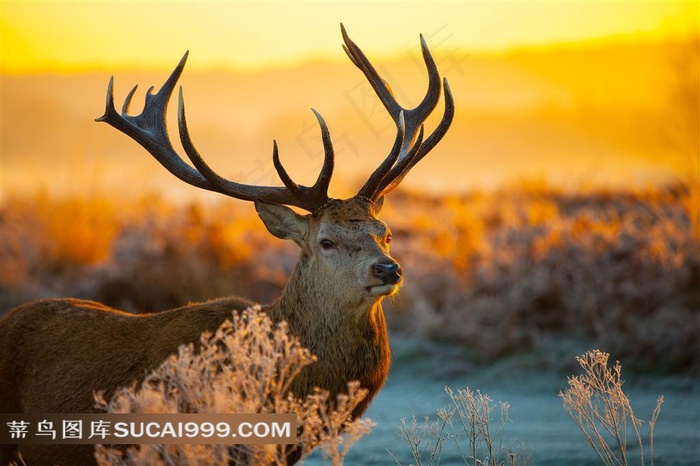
(389, 273)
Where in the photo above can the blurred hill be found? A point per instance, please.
(598, 113)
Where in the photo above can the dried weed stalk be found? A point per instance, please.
(247, 366)
(467, 423)
(599, 407)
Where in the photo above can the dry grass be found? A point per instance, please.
(521, 268)
(146, 255)
(247, 366)
(601, 409)
(466, 426)
(595, 401)
(498, 273)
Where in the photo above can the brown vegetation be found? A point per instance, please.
(522, 268)
(601, 409)
(247, 366)
(514, 270)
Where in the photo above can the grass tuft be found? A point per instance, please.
(601, 409)
(247, 366)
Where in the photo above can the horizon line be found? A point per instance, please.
(231, 66)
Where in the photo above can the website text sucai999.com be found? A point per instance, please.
(147, 428)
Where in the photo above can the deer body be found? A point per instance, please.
(55, 353)
(61, 323)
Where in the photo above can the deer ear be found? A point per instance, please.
(282, 221)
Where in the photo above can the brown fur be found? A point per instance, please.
(55, 353)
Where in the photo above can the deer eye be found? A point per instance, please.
(327, 244)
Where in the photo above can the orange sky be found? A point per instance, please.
(75, 36)
(600, 112)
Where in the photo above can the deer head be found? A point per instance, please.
(334, 230)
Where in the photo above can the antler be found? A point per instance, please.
(409, 147)
(149, 130)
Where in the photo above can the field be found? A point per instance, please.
(526, 269)
(502, 288)
(560, 214)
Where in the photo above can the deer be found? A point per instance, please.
(56, 353)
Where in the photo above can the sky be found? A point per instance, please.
(58, 36)
(602, 102)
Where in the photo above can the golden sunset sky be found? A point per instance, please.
(577, 93)
(58, 36)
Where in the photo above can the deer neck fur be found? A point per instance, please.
(349, 338)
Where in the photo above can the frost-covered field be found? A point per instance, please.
(503, 289)
(540, 425)
(529, 268)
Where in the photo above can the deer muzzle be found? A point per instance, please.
(388, 272)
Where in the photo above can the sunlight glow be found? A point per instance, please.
(79, 36)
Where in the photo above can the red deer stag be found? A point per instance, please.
(55, 353)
